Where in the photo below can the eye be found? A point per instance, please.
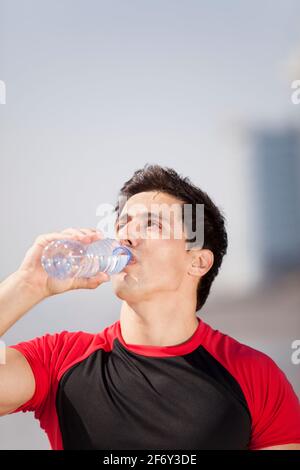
(153, 223)
(119, 227)
(150, 223)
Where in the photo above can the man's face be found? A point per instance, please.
(158, 247)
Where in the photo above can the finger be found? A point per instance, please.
(86, 235)
(92, 282)
(84, 230)
(93, 233)
(88, 231)
(73, 231)
(78, 234)
(45, 238)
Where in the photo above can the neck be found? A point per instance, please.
(152, 324)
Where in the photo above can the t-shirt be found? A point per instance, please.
(95, 391)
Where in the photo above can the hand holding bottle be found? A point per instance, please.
(38, 279)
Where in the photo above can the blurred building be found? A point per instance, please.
(266, 313)
(276, 165)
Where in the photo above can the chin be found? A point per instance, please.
(125, 288)
(124, 295)
(123, 277)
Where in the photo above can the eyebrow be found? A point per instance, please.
(145, 215)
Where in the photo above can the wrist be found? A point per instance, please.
(17, 296)
(25, 284)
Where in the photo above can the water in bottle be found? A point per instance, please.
(64, 259)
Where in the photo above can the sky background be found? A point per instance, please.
(97, 89)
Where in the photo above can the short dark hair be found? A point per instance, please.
(167, 180)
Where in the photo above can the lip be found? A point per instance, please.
(132, 261)
(128, 267)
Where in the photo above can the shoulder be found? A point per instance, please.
(272, 401)
(52, 354)
(234, 355)
(56, 352)
(257, 374)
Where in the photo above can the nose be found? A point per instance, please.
(126, 237)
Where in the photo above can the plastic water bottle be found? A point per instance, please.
(64, 259)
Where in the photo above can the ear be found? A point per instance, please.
(200, 262)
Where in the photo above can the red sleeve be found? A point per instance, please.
(274, 406)
(49, 357)
(272, 402)
(45, 355)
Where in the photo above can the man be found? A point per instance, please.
(159, 377)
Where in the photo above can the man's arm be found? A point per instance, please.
(17, 383)
(30, 283)
(283, 447)
(18, 294)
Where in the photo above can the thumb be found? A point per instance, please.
(91, 282)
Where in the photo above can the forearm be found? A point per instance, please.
(17, 296)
